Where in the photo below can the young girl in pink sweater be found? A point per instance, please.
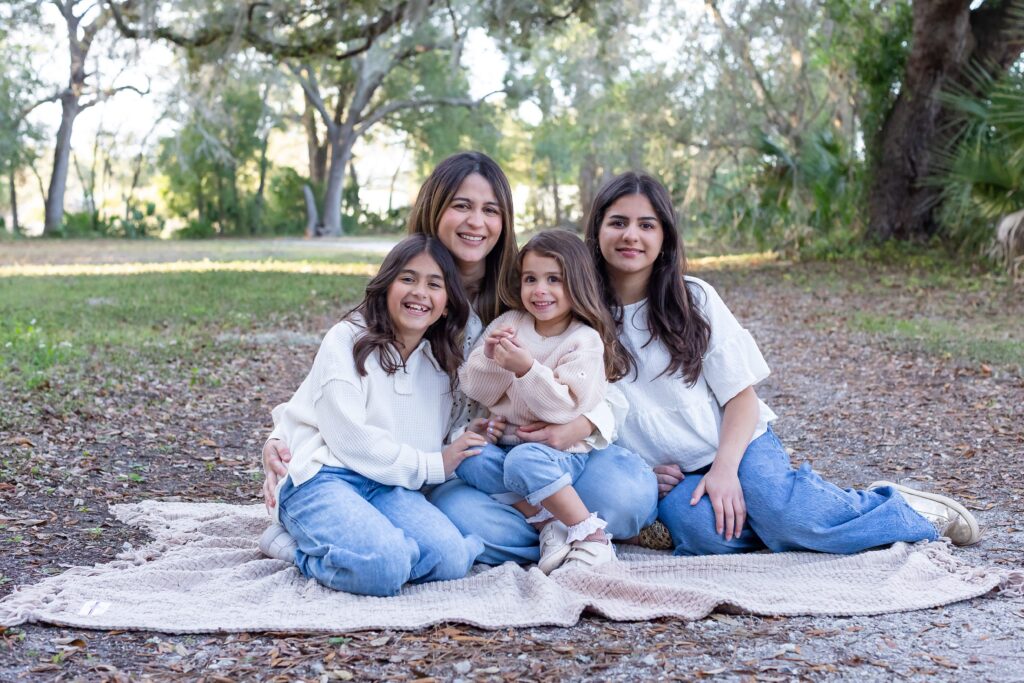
(549, 360)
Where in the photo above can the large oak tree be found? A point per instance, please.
(947, 35)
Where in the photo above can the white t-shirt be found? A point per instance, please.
(670, 421)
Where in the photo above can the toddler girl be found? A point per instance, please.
(551, 361)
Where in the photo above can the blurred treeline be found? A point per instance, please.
(813, 126)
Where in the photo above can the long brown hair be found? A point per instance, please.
(584, 290)
(496, 290)
(673, 317)
(443, 335)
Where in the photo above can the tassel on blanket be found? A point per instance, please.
(1011, 583)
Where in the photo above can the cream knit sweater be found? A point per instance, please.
(566, 380)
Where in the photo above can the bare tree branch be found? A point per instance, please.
(323, 43)
(761, 91)
(312, 90)
(394, 106)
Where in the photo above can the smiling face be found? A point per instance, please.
(544, 295)
(630, 237)
(416, 299)
(471, 223)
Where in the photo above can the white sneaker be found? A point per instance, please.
(553, 548)
(950, 518)
(589, 554)
(277, 543)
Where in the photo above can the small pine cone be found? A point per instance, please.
(656, 537)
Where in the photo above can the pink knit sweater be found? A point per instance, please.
(567, 378)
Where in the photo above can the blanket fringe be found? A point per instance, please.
(1012, 584)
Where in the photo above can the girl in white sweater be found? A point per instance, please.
(365, 430)
(550, 360)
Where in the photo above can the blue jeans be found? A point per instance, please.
(791, 509)
(532, 471)
(615, 483)
(359, 536)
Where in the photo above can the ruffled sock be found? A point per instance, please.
(541, 516)
(578, 532)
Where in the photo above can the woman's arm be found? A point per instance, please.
(722, 483)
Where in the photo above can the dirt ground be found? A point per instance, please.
(858, 406)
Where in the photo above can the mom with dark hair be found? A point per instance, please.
(466, 204)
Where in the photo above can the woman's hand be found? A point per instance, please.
(669, 477)
(491, 428)
(276, 457)
(463, 447)
(558, 437)
(722, 486)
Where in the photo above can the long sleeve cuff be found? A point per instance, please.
(435, 468)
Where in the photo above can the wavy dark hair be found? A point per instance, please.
(673, 317)
(444, 335)
(584, 290)
(497, 291)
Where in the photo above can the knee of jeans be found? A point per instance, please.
(453, 556)
(627, 509)
(521, 467)
(370, 570)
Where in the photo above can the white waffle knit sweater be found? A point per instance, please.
(388, 428)
(567, 378)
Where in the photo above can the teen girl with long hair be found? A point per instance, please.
(365, 429)
(726, 482)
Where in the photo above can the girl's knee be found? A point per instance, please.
(449, 556)
(379, 568)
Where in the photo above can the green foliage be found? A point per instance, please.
(210, 162)
(93, 224)
(873, 37)
(285, 212)
(981, 173)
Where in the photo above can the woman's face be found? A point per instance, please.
(630, 236)
(470, 225)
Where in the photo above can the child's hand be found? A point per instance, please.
(463, 447)
(494, 338)
(491, 428)
(726, 495)
(669, 476)
(514, 358)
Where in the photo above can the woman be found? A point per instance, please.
(466, 203)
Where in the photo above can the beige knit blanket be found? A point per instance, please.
(203, 573)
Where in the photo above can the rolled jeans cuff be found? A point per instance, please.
(535, 497)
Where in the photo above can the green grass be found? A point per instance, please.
(50, 323)
(970, 340)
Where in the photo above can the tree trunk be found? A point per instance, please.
(61, 160)
(316, 151)
(587, 182)
(312, 217)
(257, 217)
(15, 227)
(946, 36)
(341, 154)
